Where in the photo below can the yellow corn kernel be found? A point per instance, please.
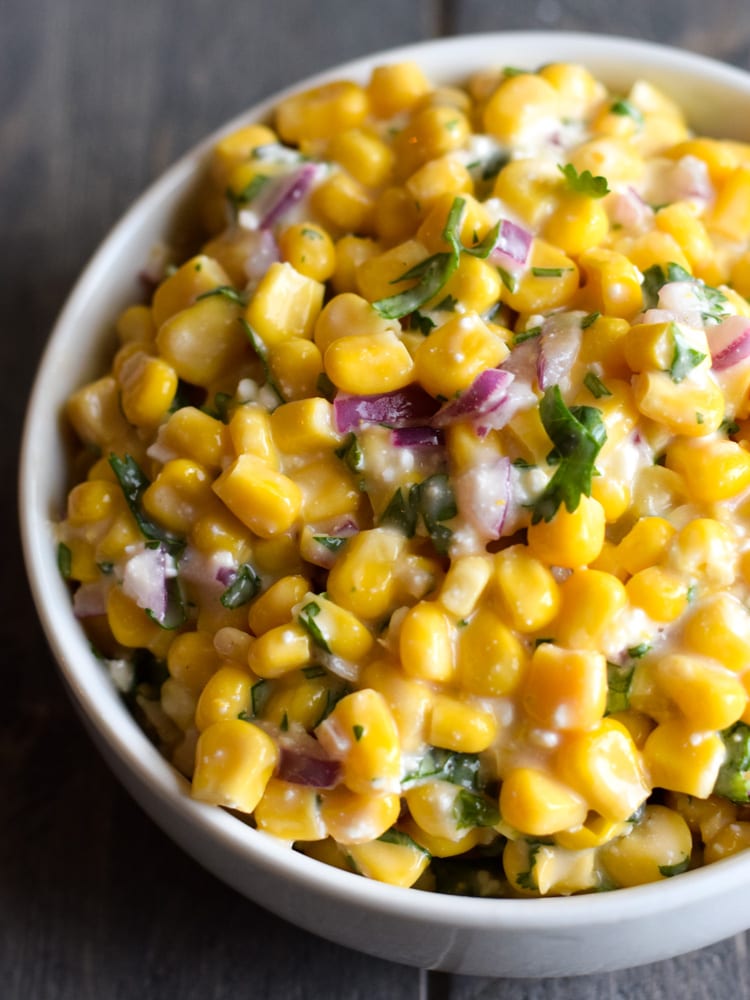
(328, 490)
(459, 725)
(535, 869)
(122, 533)
(706, 548)
(519, 105)
(297, 699)
(611, 284)
(430, 132)
(604, 343)
(304, 425)
(234, 761)
(362, 154)
(474, 223)
(656, 845)
(345, 203)
(179, 495)
(250, 431)
(565, 688)
(285, 304)
(593, 832)
(351, 251)
(203, 341)
(353, 818)
(361, 732)
(682, 760)
(408, 699)
(739, 275)
(277, 556)
(194, 434)
(680, 222)
(263, 499)
(474, 283)
(611, 157)
(713, 471)
(605, 767)
(290, 812)
(274, 606)
(591, 601)
(721, 158)
(433, 808)
(720, 627)
(705, 817)
(464, 584)
(219, 530)
(347, 314)
(296, 365)
(309, 249)
(369, 363)
(195, 277)
(570, 539)
(94, 411)
(527, 592)
(730, 839)
(380, 276)
(426, 643)
(396, 87)
(83, 564)
(322, 112)
(192, 660)
(539, 805)
(577, 87)
(442, 847)
(689, 407)
(652, 248)
(449, 359)
(393, 858)
(645, 544)
(491, 659)
(135, 324)
(730, 214)
(178, 703)
(280, 650)
(638, 724)
(577, 223)
(363, 578)
(232, 644)
(444, 175)
(396, 215)
(707, 694)
(131, 626)
(341, 631)
(613, 496)
(94, 500)
(609, 122)
(236, 147)
(652, 346)
(530, 187)
(661, 593)
(226, 694)
(550, 280)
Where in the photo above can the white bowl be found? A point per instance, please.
(490, 937)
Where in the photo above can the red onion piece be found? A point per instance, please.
(729, 342)
(91, 599)
(484, 395)
(226, 575)
(144, 580)
(513, 243)
(689, 178)
(400, 408)
(262, 252)
(303, 761)
(287, 192)
(417, 437)
(627, 208)
(483, 495)
(559, 344)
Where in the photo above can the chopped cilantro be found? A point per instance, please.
(134, 483)
(549, 272)
(175, 614)
(676, 869)
(619, 683)
(733, 781)
(422, 323)
(585, 182)
(248, 193)
(445, 765)
(729, 426)
(359, 732)
(623, 107)
(521, 463)
(401, 839)
(242, 589)
(509, 280)
(589, 320)
(449, 303)
(351, 454)
(224, 292)
(684, 358)
(262, 354)
(331, 542)
(533, 331)
(595, 385)
(64, 560)
(636, 652)
(433, 500)
(526, 880)
(578, 435)
(260, 692)
(325, 387)
(306, 617)
(713, 304)
(513, 71)
(471, 809)
(311, 673)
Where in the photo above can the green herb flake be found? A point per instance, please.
(248, 193)
(311, 234)
(312, 673)
(636, 652)
(134, 483)
(619, 684)
(306, 617)
(401, 839)
(589, 320)
(595, 385)
(438, 764)
(331, 542)
(626, 108)
(733, 780)
(530, 334)
(325, 387)
(260, 692)
(729, 426)
(242, 589)
(676, 869)
(359, 732)
(684, 358)
(401, 513)
(585, 182)
(262, 354)
(422, 323)
(549, 272)
(351, 454)
(224, 292)
(713, 304)
(175, 615)
(692, 592)
(513, 71)
(106, 567)
(509, 280)
(471, 810)
(578, 435)
(64, 560)
(521, 463)
(448, 304)
(527, 880)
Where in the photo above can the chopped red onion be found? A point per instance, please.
(402, 408)
(417, 437)
(287, 192)
(144, 581)
(729, 342)
(559, 344)
(91, 599)
(626, 208)
(300, 767)
(513, 243)
(262, 252)
(226, 575)
(484, 395)
(483, 495)
(689, 178)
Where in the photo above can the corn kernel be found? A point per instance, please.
(730, 214)
(285, 304)
(577, 223)
(322, 112)
(226, 694)
(191, 433)
(274, 606)
(661, 593)
(612, 283)
(131, 626)
(179, 495)
(194, 278)
(250, 431)
(309, 249)
(353, 818)
(345, 203)
(304, 425)
(645, 544)
(203, 341)
(461, 726)
(527, 591)
(290, 812)
(550, 280)
(491, 659)
(135, 324)
(691, 408)
(570, 539)
(660, 842)
(518, 106)
(363, 578)
(408, 699)
(263, 499)
(426, 643)
(369, 363)
(591, 603)
(464, 584)
(537, 804)
(362, 154)
(392, 858)
(361, 732)
(565, 688)
(95, 500)
(731, 839)
(707, 694)
(396, 87)
(296, 365)
(351, 251)
(449, 359)
(682, 760)
(713, 471)
(720, 627)
(234, 761)
(280, 650)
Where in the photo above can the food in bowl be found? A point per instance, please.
(412, 513)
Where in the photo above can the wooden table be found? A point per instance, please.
(97, 99)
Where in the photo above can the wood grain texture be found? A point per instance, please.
(97, 98)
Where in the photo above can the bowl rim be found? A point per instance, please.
(95, 696)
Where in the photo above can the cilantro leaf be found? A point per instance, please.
(64, 560)
(623, 107)
(438, 764)
(242, 589)
(251, 190)
(306, 617)
(351, 454)
(585, 182)
(619, 683)
(578, 435)
(526, 880)
(331, 542)
(733, 781)
(433, 273)
(433, 500)
(134, 483)
(595, 385)
(471, 809)
(402, 839)
(261, 352)
(713, 304)
(685, 357)
(676, 869)
(224, 292)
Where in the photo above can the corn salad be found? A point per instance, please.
(413, 515)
